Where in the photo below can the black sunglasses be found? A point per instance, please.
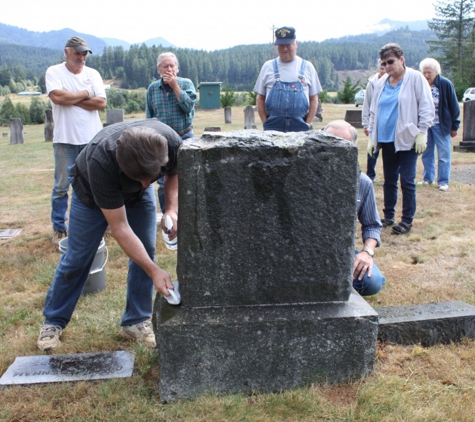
(390, 61)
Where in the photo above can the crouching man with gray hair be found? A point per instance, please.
(367, 278)
(111, 182)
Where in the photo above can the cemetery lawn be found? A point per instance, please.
(435, 262)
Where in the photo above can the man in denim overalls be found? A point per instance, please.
(287, 87)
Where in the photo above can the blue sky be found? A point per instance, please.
(211, 24)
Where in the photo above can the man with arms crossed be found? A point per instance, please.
(76, 93)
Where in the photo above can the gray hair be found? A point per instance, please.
(165, 55)
(342, 124)
(141, 152)
(431, 64)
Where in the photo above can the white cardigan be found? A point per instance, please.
(415, 110)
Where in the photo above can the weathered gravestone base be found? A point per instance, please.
(263, 348)
(427, 324)
(266, 235)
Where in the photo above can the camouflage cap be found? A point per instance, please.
(78, 44)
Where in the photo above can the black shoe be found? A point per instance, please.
(402, 228)
(387, 222)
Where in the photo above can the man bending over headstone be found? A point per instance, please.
(367, 279)
(111, 183)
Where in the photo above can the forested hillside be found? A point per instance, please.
(236, 67)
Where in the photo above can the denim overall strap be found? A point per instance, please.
(287, 104)
(276, 70)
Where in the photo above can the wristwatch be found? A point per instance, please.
(369, 251)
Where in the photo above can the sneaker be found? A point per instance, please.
(444, 188)
(59, 235)
(140, 332)
(49, 337)
(424, 183)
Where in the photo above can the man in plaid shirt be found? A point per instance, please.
(171, 100)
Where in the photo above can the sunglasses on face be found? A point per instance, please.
(390, 62)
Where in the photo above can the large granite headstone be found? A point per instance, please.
(468, 141)
(266, 235)
(16, 131)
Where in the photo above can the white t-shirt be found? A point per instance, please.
(289, 72)
(74, 125)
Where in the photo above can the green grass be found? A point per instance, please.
(436, 262)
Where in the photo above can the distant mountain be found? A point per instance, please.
(115, 42)
(159, 41)
(51, 39)
(56, 39)
(387, 25)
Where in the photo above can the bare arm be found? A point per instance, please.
(312, 108)
(77, 98)
(92, 104)
(261, 107)
(135, 250)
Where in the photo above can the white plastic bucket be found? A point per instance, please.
(96, 282)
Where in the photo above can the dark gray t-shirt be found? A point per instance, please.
(97, 178)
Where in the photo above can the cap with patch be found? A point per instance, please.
(285, 35)
(78, 44)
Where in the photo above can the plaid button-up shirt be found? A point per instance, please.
(162, 103)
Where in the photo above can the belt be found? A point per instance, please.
(182, 132)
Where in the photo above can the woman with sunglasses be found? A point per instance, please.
(401, 113)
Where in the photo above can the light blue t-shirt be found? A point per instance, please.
(388, 112)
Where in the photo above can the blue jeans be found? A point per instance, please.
(87, 226)
(370, 285)
(399, 164)
(64, 157)
(443, 143)
(160, 190)
(371, 164)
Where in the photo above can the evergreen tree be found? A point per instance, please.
(455, 46)
(347, 94)
(7, 112)
(37, 110)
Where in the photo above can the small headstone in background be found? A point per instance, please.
(228, 115)
(249, 119)
(114, 116)
(16, 130)
(49, 126)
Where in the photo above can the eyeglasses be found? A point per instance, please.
(390, 62)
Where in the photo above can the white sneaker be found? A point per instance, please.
(444, 188)
(49, 337)
(424, 183)
(141, 333)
